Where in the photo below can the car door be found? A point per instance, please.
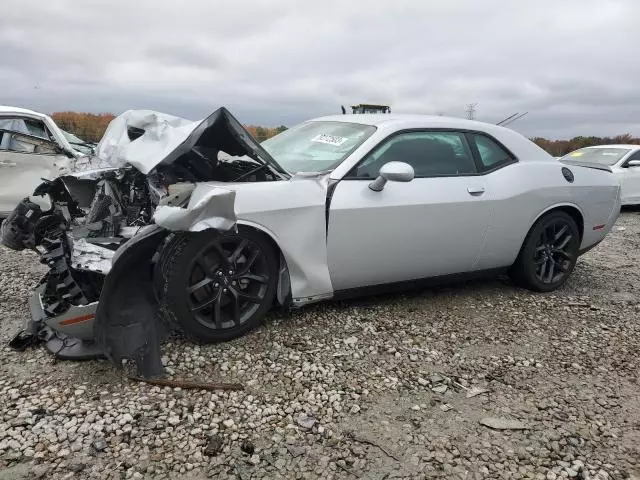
(433, 225)
(630, 184)
(24, 161)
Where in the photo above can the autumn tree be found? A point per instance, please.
(88, 126)
(91, 126)
(558, 148)
(262, 133)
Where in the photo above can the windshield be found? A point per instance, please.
(316, 146)
(603, 155)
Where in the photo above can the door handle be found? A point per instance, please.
(475, 191)
(7, 163)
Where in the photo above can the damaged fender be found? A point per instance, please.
(127, 324)
(207, 208)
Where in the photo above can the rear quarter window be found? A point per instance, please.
(490, 152)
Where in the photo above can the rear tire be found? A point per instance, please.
(549, 253)
(217, 287)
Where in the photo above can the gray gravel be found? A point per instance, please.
(476, 380)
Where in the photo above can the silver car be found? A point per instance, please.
(32, 147)
(196, 227)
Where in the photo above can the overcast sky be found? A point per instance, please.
(572, 64)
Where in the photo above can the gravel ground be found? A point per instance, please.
(399, 386)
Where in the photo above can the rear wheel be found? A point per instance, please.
(218, 287)
(549, 253)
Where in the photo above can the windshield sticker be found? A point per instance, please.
(611, 154)
(577, 154)
(329, 139)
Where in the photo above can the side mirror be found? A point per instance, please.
(634, 163)
(393, 172)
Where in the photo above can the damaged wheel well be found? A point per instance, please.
(283, 295)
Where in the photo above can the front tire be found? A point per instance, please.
(549, 253)
(217, 287)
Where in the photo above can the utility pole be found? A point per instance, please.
(471, 111)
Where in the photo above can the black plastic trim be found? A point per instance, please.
(420, 283)
(330, 189)
(596, 166)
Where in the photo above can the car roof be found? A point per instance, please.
(519, 145)
(5, 109)
(377, 119)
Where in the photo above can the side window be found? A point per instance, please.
(20, 143)
(634, 156)
(16, 135)
(36, 128)
(430, 153)
(491, 154)
(27, 126)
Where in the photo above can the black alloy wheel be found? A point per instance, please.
(549, 253)
(228, 281)
(554, 254)
(218, 287)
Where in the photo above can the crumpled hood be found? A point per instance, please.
(146, 139)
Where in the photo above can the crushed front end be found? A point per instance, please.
(91, 217)
(107, 228)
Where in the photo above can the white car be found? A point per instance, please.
(336, 206)
(32, 148)
(622, 160)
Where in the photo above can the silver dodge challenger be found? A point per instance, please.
(195, 227)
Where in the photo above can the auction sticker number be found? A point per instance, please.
(329, 139)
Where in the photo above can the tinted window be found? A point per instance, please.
(633, 156)
(491, 154)
(430, 154)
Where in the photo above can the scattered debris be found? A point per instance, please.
(306, 420)
(188, 385)
(620, 229)
(214, 445)
(296, 451)
(475, 391)
(248, 447)
(440, 388)
(99, 444)
(77, 465)
(502, 423)
(445, 407)
(356, 438)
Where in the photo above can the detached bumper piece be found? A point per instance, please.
(64, 346)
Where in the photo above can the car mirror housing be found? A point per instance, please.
(393, 172)
(634, 163)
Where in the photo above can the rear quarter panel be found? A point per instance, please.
(524, 191)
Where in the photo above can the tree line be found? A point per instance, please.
(558, 148)
(91, 127)
(88, 126)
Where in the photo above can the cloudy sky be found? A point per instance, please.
(572, 64)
